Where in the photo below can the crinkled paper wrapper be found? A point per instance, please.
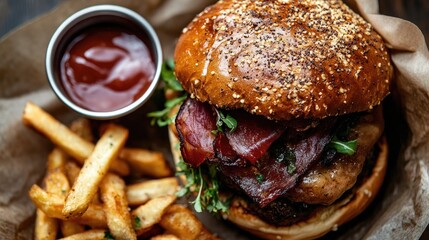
(401, 211)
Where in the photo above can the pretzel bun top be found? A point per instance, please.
(284, 59)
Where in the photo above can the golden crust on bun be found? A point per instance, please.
(284, 59)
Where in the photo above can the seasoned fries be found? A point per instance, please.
(165, 237)
(74, 210)
(94, 169)
(72, 171)
(64, 138)
(116, 207)
(148, 163)
(69, 228)
(82, 128)
(52, 206)
(95, 234)
(149, 214)
(56, 160)
(46, 228)
(181, 222)
(142, 192)
(55, 183)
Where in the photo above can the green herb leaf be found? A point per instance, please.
(169, 63)
(228, 120)
(291, 160)
(175, 101)
(182, 192)
(161, 117)
(287, 155)
(108, 235)
(259, 178)
(167, 75)
(348, 148)
(158, 114)
(197, 201)
(204, 179)
(137, 222)
(291, 168)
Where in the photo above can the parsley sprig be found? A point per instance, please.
(339, 144)
(137, 222)
(343, 147)
(224, 120)
(162, 117)
(204, 180)
(167, 75)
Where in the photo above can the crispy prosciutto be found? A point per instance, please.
(253, 135)
(195, 123)
(271, 176)
(247, 158)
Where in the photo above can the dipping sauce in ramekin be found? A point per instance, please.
(106, 68)
(104, 61)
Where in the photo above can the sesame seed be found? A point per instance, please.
(235, 95)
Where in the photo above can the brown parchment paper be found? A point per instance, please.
(401, 211)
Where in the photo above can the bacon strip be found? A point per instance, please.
(195, 122)
(253, 135)
(274, 179)
(250, 140)
(244, 156)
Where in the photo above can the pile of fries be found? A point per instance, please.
(84, 196)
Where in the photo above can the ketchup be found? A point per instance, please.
(106, 68)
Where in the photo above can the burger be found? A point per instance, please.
(283, 121)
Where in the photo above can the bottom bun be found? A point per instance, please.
(321, 222)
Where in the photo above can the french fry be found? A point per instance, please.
(64, 138)
(148, 163)
(72, 171)
(58, 183)
(95, 234)
(149, 214)
(46, 228)
(56, 160)
(82, 127)
(72, 210)
(180, 221)
(94, 169)
(55, 183)
(165, 237)
(142, 192)
(69, 228)
(115, 206)
(52, 206)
